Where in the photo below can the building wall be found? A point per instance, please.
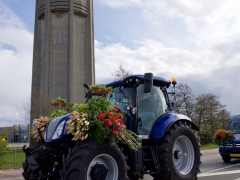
(17, 133)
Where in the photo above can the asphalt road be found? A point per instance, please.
(213, 168)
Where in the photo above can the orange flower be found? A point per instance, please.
(120, 116)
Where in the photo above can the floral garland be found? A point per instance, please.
(223, 137)
(78, 126)
(41, 125)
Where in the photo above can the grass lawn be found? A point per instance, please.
(208, 146)
(12, 159)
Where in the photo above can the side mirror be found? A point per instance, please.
(148, 82)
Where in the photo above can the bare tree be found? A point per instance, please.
(27, 111)
(206, 110)
(121, 73)
(41, 104)
(183, 99)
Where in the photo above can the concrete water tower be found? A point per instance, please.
(63, 55)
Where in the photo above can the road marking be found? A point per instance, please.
(221, 168)
(219, 173)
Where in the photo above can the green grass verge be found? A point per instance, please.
(208, 146)
(12, 160)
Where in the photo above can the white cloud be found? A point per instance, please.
(121, 3)
(16, 48)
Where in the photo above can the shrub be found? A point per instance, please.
(3, 145)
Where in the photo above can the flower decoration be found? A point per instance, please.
(100, 89)
(93, 120)
(40, 124)
(59, 101)
(223, 137)
(78, 126)
(116, 130)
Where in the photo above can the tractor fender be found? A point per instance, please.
(164, 122)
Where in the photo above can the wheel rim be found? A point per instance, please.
(183, 155)
(108, 162)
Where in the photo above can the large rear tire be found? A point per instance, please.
(27, 171)
(179, 153)
(90, 161)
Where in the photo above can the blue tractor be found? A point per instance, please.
(169, 149)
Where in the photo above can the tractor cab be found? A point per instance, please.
(141, 99)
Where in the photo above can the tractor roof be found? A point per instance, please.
(131, 80)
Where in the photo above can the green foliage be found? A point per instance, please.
(97, 106)
(81, 108)
(3, 145)
(97, 132)
(61, 107)
(208, 146)
(57, 112)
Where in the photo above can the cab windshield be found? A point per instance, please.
(150, 107)
(234, 126)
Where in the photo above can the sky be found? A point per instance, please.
(195, 41)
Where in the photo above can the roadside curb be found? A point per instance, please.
(12, 174)
(210, 152)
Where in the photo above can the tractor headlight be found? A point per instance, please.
(58, 132)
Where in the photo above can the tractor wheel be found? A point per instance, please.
(179, 153)
(226, 158)
(27, 172)
(91, 161)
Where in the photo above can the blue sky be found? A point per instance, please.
(195, 41)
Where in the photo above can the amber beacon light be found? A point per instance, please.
(174, 80)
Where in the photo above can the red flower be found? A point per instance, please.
(116, 116)
(119, 122)
(102, 116)
(110, 113)
(109, 123)
(223, 135)
(115, 131)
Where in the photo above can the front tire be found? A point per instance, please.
(90, 161)
(226, 158)
(27, 171)
(179, 153)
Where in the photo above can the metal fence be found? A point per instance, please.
(13, 157)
